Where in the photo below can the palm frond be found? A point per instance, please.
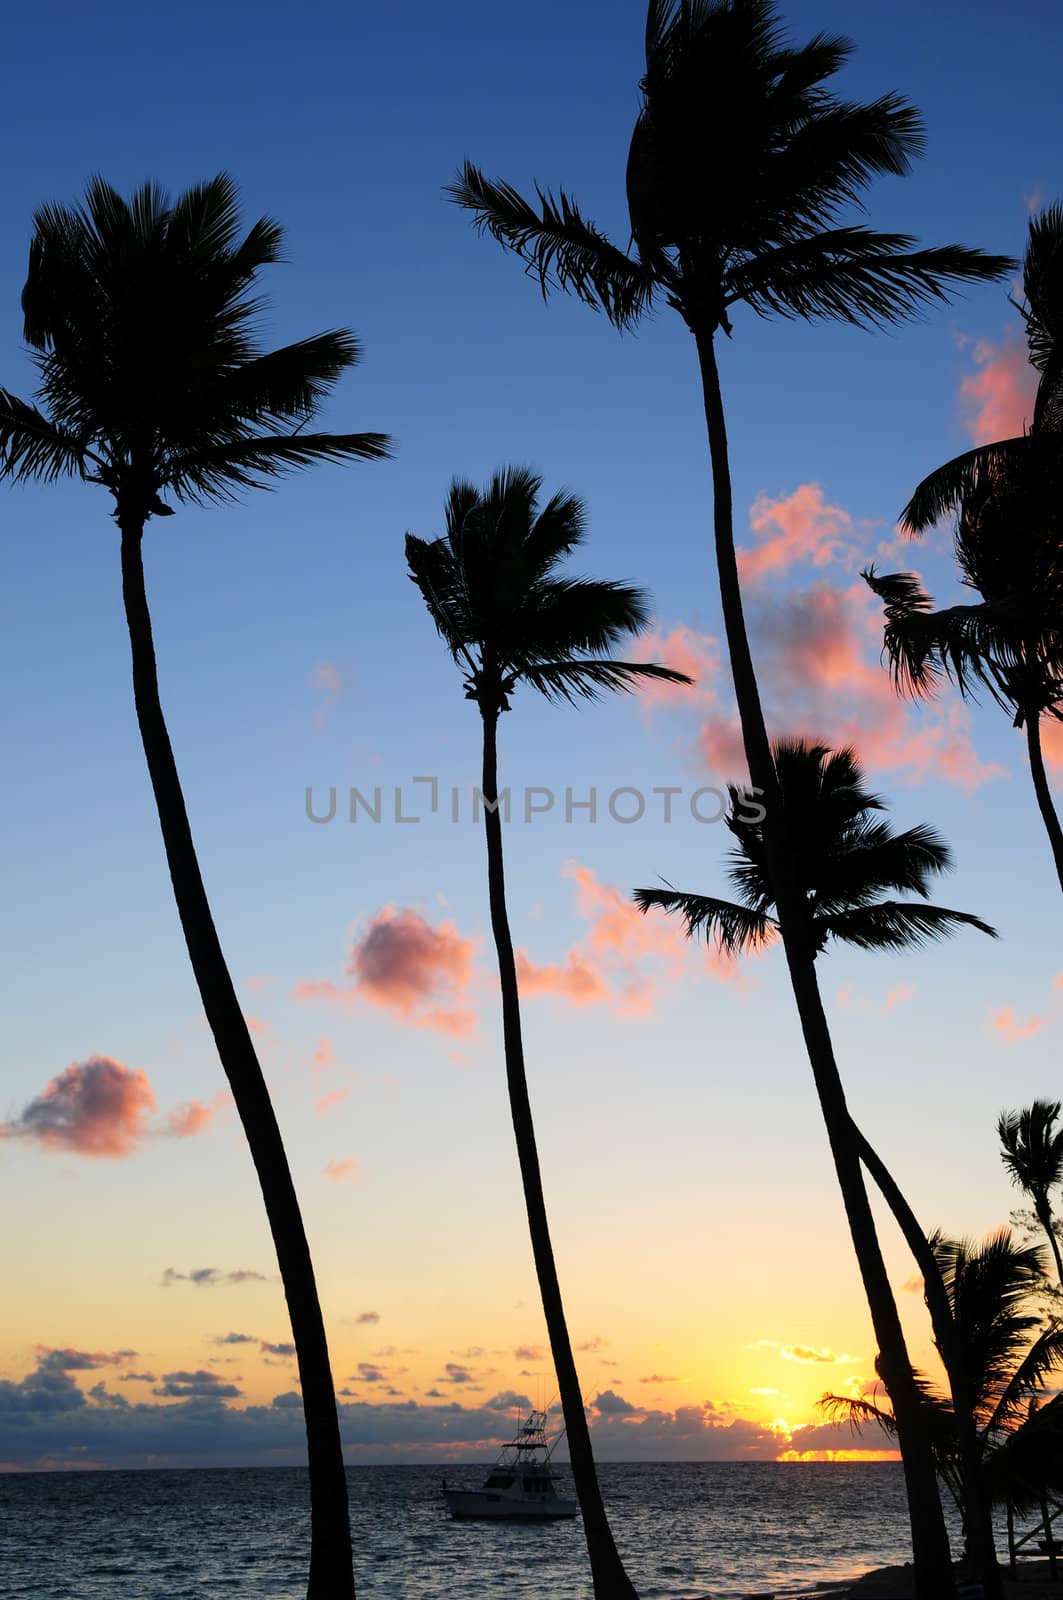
(32, 446)
(217, 471)
(588, 680)
(734, 928)
(895, 925)
(859, 1414)
(558, 246)
(871, 281)
(943, 491)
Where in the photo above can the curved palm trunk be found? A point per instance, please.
(331, 1567)
(930, 1547)
(977, 1509)
(1044, 1217)
(610, 1580)
(1048, 816)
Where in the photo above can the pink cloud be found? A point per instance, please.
(1004, 1022)
(334, 1098)
(323, 1057)
(328, 684)
(798, 527)
(96, 1108)
(192, 1116)
(817, 655)
(684, 650)
(344, 1171)
(576, 979)
(257, 1027)
(997, 400)
(1052, 741)
(407, 966)
(623, 957)
(901, 994)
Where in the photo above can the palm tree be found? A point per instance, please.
(848, 866)
(846, 862)
(1008, 500)
(141, 316)
(741, 164)
(1032, 1152)
(492, 589)
(1010, 1352)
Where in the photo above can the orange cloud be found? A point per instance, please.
(192, 1116)
(1004, 1022)
(407, 966)
(817, 654)
(328, 684)
(345, 1171)
(334, 1098)
(798, 527)
(623, 957)
(577, 979)
(96, 1107)
(997, 400)
(1052, 741)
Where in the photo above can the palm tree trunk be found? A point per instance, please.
(1044, 1217)
(1044, 800)
(610, 1580)
(331, 1566)
(978, 1511)
(930, 1547)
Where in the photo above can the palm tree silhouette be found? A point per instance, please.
(1010, 1351)
(849, 864)
(492, 589)
(1032, 1151)
(741, 163)
(141, 317)
(1008, 542)
(846, 863)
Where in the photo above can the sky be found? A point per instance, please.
(710, 1285)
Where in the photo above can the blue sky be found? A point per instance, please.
(345, 122)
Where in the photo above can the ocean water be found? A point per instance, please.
(686, 1530)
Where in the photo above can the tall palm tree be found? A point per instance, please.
(1032, 1151)
(151, 382)
(849, 864)
(1011, 1352)
(741, 164)
(1008, 501)
(508, 618)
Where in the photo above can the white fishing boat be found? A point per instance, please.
(522, 1485)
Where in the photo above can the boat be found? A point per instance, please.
(522, 1486)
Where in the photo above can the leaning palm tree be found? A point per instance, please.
(152, 383)
(741, 165)
(849, 866)
(493, 590)
(1032, 1152)
(1011, 1353)
(1008, 542)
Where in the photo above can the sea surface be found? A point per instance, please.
(688, 1530)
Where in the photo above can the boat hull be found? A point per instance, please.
(469, 1505)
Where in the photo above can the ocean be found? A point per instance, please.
(686, 1530)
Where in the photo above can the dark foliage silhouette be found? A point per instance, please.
(1031, 1148)
(141, 318)
(508, 617)
(742, 164)
(1007, 498)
